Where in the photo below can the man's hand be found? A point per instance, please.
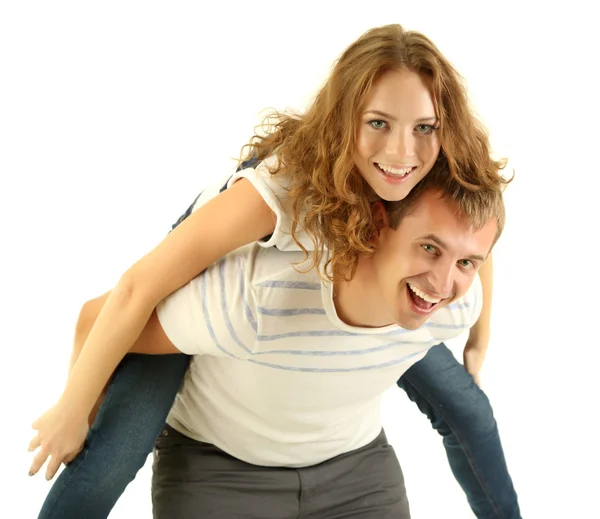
(479, 336)
(474, 357)
(60, 436)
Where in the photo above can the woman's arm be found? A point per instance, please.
(152, 340)
(86, 319)
(479, 336)
(236, 217)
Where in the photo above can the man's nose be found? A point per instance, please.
(443, 279)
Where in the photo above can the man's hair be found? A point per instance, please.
(479, 204)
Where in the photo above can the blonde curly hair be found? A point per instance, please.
(330, 200)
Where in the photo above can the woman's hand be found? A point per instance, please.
(61, 433)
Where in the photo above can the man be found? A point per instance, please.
(279, 413)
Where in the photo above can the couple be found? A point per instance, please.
(278, 413)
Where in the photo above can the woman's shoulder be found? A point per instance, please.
(271, 179)
(269, 173)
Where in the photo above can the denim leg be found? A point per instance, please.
(138, 399)
(461, 413)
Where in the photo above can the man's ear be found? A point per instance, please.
(380, 216)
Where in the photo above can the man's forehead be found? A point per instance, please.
(437, 216)
(432, 207)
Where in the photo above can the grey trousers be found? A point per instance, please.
(195, 480)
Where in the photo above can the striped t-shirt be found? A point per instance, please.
(277, 379)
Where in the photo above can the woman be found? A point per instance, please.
(391, 107)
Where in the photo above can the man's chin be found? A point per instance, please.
(412, 324)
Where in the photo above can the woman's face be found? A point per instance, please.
(398, 139)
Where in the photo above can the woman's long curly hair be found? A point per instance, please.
(331, 202)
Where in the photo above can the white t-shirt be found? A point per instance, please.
(277, 379)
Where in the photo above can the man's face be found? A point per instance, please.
(429, 261)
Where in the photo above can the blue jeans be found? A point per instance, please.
(144, 387)
(461, 413)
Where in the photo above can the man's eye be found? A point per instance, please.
(466, 263)
(429, 248)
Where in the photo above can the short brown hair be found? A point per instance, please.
(478, 205)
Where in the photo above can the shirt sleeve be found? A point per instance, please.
(182, 319)
(275, 190)
(214, 314)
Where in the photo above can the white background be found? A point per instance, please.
(113, 115)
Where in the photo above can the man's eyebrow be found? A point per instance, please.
(432, 119)
(442, 244)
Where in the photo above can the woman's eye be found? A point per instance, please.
(424, 129)
(378, 124)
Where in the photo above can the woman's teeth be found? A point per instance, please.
(397, 172)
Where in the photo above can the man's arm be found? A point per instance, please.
(479, 336)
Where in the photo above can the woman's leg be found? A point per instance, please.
(130, 419)
(460, 411)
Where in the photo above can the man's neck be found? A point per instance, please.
(358, 301)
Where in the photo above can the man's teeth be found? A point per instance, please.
(395, 171)
(423, 295)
